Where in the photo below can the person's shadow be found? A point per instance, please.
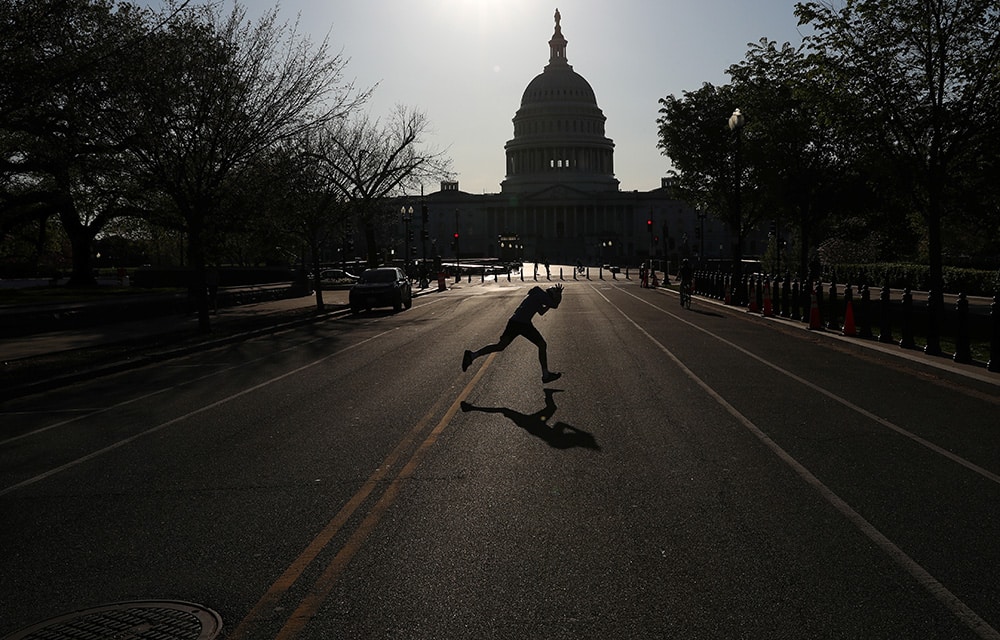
(558, 436)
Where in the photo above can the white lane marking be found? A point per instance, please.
(88, 413)
(962, 611)
(164, 425)
(971, 466)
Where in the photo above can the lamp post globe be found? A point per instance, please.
(736, 120)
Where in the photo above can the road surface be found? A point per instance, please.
(694, 474)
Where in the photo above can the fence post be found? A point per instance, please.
(963, 348)
(885, 323)
(935, 310)
(776, 295)
(907, 342)
(786, 291)
(819, 301)
(795, 300)
(994, 361)
(865, 313)
(832, 324)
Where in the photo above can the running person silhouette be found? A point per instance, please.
(537, 301)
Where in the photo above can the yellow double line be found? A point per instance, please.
(321, 588)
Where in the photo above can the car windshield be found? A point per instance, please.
(378, 275)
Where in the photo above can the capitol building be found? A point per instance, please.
(560, 201)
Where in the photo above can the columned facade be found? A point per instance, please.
(560, 200)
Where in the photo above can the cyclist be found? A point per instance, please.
(687, 276)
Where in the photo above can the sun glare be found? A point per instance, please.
(485, 15)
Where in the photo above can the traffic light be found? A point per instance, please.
(649, 225)
(456, 235)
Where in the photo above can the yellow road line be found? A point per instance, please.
(314, 599)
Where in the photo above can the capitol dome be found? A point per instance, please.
(559, 131)
(558, 85)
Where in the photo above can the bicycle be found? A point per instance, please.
(685, 289)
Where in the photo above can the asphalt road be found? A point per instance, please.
(693, 474)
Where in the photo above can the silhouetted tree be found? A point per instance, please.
(370, 160)
(213, 93)
(924, 74)
(61, 69)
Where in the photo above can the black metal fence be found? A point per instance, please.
(888, 316)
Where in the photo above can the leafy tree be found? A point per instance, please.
(214, 92)
(713, 171)
(924, 75)
(61, 58)
(300, 204)
(807, 173)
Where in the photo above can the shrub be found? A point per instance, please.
(973, 282)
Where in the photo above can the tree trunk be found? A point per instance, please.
(199, 278)
(81, 240)
(317, 283)
(372, 246)
(934, 248)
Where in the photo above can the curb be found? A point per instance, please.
(49, 384)
(941, 363)
(38, 386)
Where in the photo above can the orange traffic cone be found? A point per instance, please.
(849, 329)
(767, 311)
(815, 321)
(752, 303)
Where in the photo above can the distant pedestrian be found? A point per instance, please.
(537, 301)
(643, 274)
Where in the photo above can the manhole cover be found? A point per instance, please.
(139, 620)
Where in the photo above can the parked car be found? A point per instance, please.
(337, 276)
(381, 287)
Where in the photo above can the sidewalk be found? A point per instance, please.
(335, 301)
(42, 344)
(42, 361)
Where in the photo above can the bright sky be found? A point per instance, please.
(465, 63)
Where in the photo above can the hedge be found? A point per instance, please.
(972, 282)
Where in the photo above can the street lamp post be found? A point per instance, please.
(736, 122)
(407, 215)
(701, 235)
(424, 218)
(458, 253)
